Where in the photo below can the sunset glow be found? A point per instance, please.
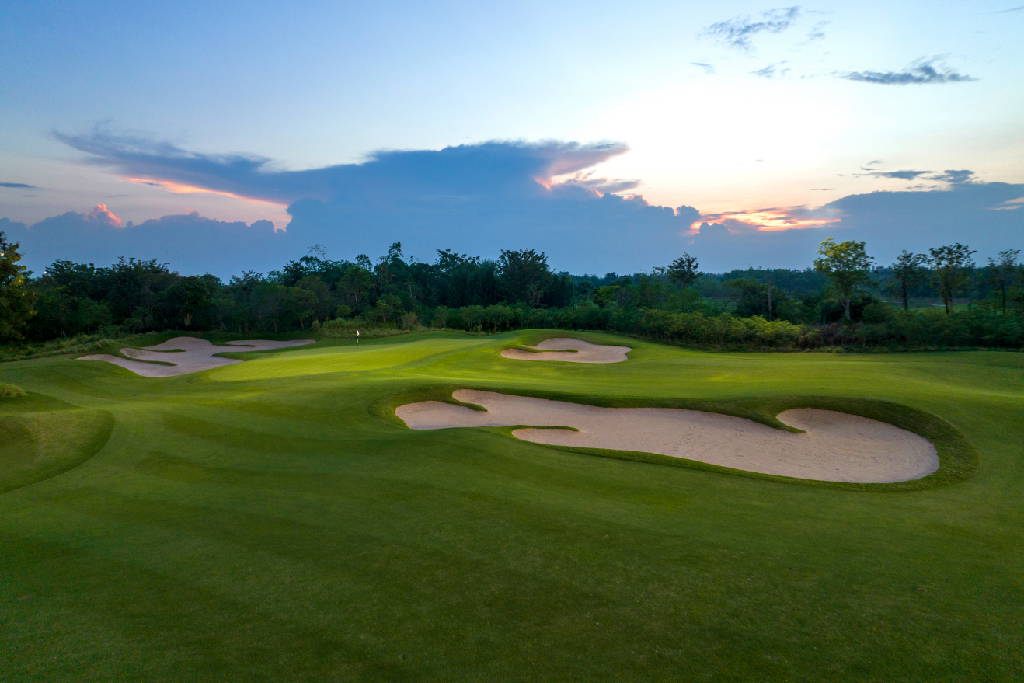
(1010, 205)
(181, 188)
(765, 220)
(103, 214)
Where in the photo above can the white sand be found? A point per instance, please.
(585, 352)
(835, 446)
(188, 355)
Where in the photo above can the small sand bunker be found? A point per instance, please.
(834, 446)
(581, 351)
(187, 355)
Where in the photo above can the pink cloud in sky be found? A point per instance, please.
(1010, 205)
(774, 219)
(101, 213)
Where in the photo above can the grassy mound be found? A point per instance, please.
(11, 391)
(46, 437)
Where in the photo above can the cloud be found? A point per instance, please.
(887, 221)
(102, 214)
(920, 72)
(1010, 205)
(738, 31)
(509, 168)
(481, 198)
(895, 175)
(817, 32)
(954, 177)
(18, 186)
(708, 68)
(583, 233)
(772, 71)
(598, 186)
(190, 243)
(476, 198)
(1018, 8)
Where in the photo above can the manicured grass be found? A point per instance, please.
(273, 519)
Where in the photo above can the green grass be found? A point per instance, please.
(273, 519)
(11, 391)
(41, 437)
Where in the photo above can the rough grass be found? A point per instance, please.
(278, 523)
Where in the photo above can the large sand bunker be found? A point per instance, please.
(834, 446)
(572, 350)
(187, 355)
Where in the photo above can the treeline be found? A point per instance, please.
(843, 300)
(135, 296)
(889, 327)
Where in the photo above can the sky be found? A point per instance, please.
(227, 136)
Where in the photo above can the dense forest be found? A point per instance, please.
(938, 299)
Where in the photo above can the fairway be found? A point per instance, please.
(274, 519)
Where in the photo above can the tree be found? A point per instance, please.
(15, 298)
(355, 286)
(196, 298)
(323, 304)
(847, 265)
(756, 298)
(524, 275)
(684, 270)
(908, 270)
(1005, 271)
(951, 264)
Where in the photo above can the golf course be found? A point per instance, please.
(274, 518)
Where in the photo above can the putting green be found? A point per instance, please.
(275, 519)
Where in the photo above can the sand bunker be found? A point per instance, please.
(582, 352)
(835, 446)
(187, 355)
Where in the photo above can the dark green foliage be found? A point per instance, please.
(524, 275)
(847, 265)
(908, 270)
(1005, 273)
(520, 290)
(684, 270)
(951, 265)
(16, 299)
(763, 299)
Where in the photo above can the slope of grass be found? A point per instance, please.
(270, 519)
(41, 437)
